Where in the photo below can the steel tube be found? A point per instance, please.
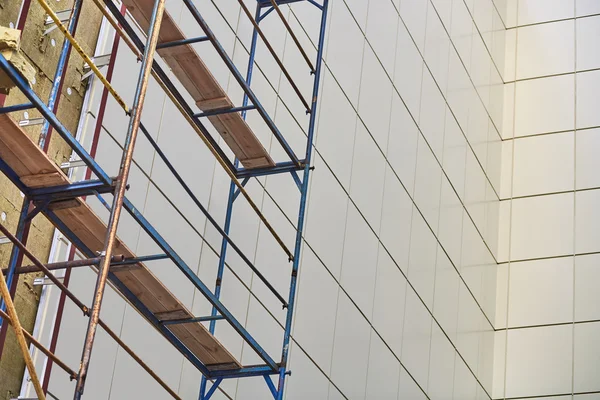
(184, 109)
(231, 199)
(275, 56)
(88, 174)
(240, 79)
(213, 388)
(57, 322)
(210, 218)
(16, 257)
(302, 211)
(23, 85)
(81, 306)
(279, 168)
(129, 35)
(294, 38)
(224, 111)
(132, 298)
(41, 347)
(81, 52)
(27, 269)
(192, 277)
(142, 364)
(12, 312)
(270, 385)
(15, 108)
(58, 81)
(24, 230)
(42, 267)
(23, 14)
(116, 260)
(263, 16)
(175, 43)
(257, 370)
(192, 320)
(121, 183)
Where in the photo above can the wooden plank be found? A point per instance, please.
(257, 162)
(19, 151)
(195, 336)
(242, 141)
(183, 60)
(195, 76)
(172, 315)
(214, 104)
(30, 163)
(63, 204)
(125, 267)
(42, 180)
(140, 291)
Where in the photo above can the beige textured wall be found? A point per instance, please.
(43, 52)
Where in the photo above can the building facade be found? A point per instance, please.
(450, 244)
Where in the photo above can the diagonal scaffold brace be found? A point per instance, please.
(12, 313)
(120, 188)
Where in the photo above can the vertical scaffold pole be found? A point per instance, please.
(302, 211)
(230, 199)
(120, 187)
(61, 67)
(15, 257)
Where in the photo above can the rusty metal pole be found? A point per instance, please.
(48, 353)
(10, 307)
(120, 187)
(293, 36)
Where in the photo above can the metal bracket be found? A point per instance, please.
(44, 281)
(69, 191)
(38, 208)
(63, 16)
(99, 62)
(212, 389)
(31, 122)
(73, 164)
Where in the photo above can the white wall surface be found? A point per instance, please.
(443, 127)
(548, 239)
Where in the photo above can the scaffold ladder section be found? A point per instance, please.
(49, 192)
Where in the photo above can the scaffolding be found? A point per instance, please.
(50, 192)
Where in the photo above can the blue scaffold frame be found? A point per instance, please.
(37, 200)
(263, 9)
